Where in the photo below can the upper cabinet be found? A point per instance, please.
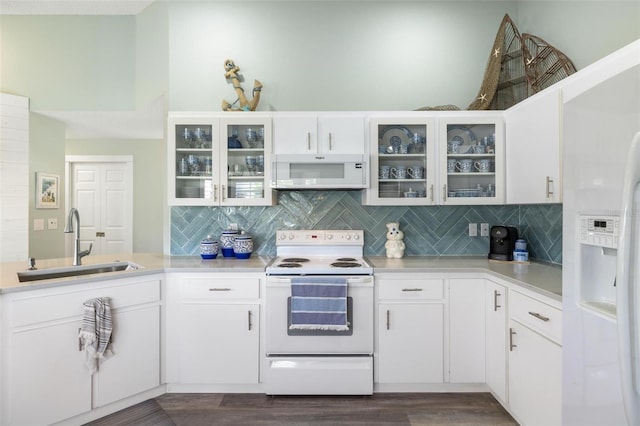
(402, 160)
(319, 133)
(471, 156)
(219, 159)
(534, 149)
(426, 158)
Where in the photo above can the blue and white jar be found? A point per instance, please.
(208, 248)
(243, 246)
(226, 242)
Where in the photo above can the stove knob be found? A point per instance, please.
(356, 236)
(348, 237)
(329, 237)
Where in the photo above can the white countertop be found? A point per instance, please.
(540, 277)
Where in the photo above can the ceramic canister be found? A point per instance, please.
(226, 242)
(208, 248)
(243, 246)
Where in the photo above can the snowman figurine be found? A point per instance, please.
(394, 245)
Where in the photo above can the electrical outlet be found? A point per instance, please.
(473, 230)
(52, 223)
(38, 224)
(484, 229)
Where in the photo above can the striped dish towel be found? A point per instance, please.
(319, 303)
(95, 333)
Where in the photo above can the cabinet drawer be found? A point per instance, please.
(541, 317)
(220, 288)
(49, 307)
(414, 288)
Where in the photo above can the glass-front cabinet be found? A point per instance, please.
(471, 155)
(402, 160)
(219, 159)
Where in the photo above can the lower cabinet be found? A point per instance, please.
(410, 329)
(214, 336)
(495, 302)
(535, 361)
(46, 378)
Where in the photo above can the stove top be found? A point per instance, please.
(319, 252)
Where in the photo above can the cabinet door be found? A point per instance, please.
(341, 134)
(219, 343)
(295, 134)
(410, 343)
(496, 339)
(402, 161)
(246, 160)
(471, 151)
(534, 153)
(466, 331)
(135, 364)
(48, 378)
(193, 163)
(535, 377)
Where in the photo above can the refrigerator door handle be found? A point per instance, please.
(627, 287)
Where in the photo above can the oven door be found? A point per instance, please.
(280, 340)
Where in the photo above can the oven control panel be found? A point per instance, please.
(320, 237)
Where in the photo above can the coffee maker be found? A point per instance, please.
(502, 242)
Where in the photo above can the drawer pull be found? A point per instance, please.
(388, 319)
(220, 289)
(540, 317)
(511, 344)
(249, 322)
(411, 289)
(549, 186)
(496, 294)
(79, 340)
(308, 141)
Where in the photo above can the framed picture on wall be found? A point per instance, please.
(47, 191)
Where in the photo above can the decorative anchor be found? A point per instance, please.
(232, 74)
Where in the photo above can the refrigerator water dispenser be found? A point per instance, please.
(598, 254)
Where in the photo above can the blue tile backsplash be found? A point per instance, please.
(429, 230)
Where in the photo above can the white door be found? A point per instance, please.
(103, 194)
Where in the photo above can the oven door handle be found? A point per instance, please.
(367, 279)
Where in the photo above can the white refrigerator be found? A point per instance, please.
(601, 277)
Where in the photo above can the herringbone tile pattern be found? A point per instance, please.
(429, 231)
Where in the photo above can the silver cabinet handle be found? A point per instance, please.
(388, 319)
(431, 192)
(539, 316)
(309, 141)
(496, 294)
(411, 289)
(249, 322)
(79, 341)
(511, 344)
(215, 192)
(444, 192)
(223, 194)
(549, 186)
(330, 142)
(219, 289)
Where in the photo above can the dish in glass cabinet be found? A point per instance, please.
(464, 135)
(395, 135)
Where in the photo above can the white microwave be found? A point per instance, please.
(319, 171)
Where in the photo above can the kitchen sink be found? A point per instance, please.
(74, 271)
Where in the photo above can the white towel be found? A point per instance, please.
(95, 334)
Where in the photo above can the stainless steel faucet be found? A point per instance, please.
(77, 254)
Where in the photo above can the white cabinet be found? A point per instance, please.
(219, 159)
(471, 158)
(534, 148)
(410, 329)
(495, 302)
(402, 160)
(319, 133)
(466, 330)
(535, 361)
(215, 332)
(46, 379)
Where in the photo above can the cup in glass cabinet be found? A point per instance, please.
(399, 172)
(482, 166)
(453, 146)
(416, 172)
(384, 172)
(251, 162)
(464, 166)
(451, 165)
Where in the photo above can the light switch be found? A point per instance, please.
(473, 230)
(38, 224)
(52, 223)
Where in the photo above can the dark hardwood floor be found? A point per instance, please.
(411, 409)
